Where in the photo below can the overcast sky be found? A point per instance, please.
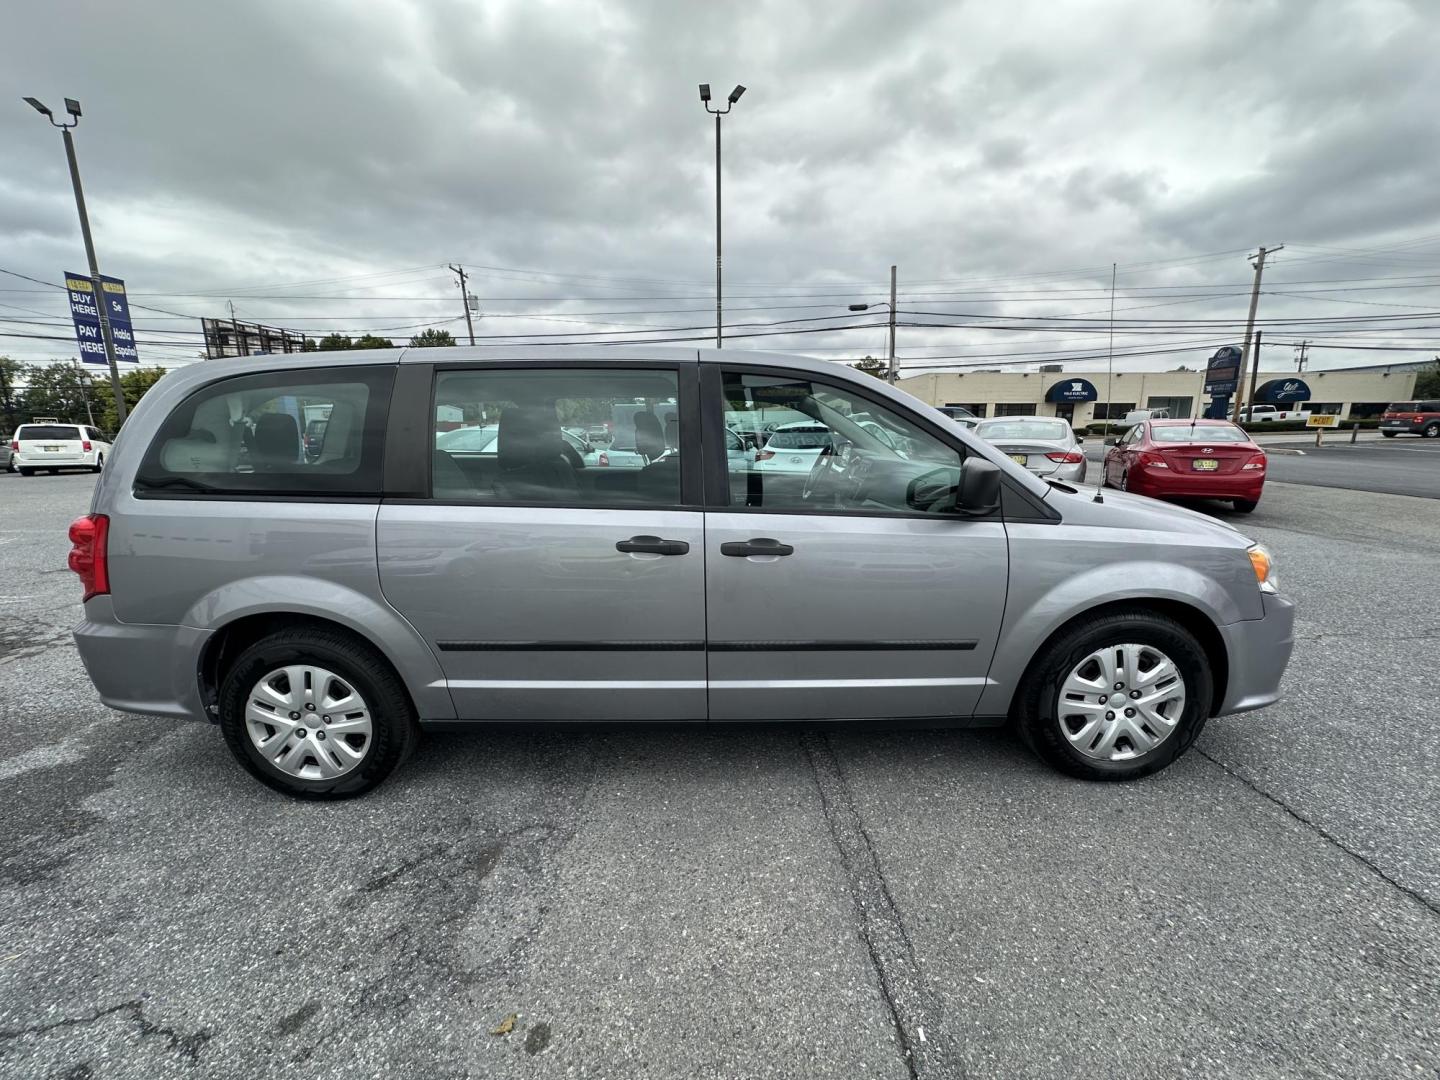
(318, 163)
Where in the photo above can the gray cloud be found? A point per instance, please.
(979, 146)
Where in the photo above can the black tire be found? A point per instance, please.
(1036, 705)
(1245, 506)
(27, 472)
(1389, 434)
(1432, 430)
(394, 729)
(99, 463)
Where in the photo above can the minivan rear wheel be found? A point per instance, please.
(316, 714)
(1116, 696)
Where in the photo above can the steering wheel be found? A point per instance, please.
(820, 478)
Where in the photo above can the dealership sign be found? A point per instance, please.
(85, 313)
(1278, 390)
(1222, 373)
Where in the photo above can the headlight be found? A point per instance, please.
(1264, 567)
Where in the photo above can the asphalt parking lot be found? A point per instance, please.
(759, 903)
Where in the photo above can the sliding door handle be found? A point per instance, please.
(761, 545)
(652, 545)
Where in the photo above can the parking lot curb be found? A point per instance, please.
(1283, 450)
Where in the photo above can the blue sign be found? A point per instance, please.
(1279, 390)
(1222, 373)
(86, 315)
(1072, 390)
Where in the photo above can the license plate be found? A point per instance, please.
(1205, 464)
(52, 449)
(1019, 459)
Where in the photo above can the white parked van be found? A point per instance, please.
(55, 446)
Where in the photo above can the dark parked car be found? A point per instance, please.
(1412, 418)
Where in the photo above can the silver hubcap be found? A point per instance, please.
(308, 722)
(1121, 702)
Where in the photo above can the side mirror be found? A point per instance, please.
(1113, 440)
(979, 486)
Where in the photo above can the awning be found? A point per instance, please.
(1072, 390)
(1278, 390)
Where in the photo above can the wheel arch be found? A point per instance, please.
(1192, 618)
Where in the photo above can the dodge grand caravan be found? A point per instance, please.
(322, 603)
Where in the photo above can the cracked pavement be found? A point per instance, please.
(760, 902)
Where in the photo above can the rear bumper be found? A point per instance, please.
(1172, 483)
(54, 461)
(1258, 651)
(1404, 427)
(141, 667)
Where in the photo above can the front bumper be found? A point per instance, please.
(141, 667)
(1258, 651)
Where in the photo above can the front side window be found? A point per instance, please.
(276, 433)
(824, 448)
(509, 435)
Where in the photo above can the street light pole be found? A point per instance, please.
(73, 108)
(719, 276)
(892, 372)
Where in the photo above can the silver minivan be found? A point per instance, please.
(324, 599)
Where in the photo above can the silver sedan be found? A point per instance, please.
(1045, 445)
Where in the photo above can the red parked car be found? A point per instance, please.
(1200, 459)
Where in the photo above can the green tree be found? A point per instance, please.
(871, 366)
(135, 383)
(370, 341)
(1427, 383)
(55, 389)
(333, 342)
(12, 379)
(430, 338)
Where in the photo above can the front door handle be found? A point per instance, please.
(652, 545)
(761, 545)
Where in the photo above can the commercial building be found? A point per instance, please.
(1093, 395)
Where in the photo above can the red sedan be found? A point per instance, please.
(1199, 459)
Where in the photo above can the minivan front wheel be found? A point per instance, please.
(316, 714)
(1116, 696)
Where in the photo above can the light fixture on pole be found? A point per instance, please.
(892, 373)
(73, 108)
(717, 113)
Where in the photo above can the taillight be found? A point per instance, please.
(88, 536)
(1153, 461)
(764, 455)
(85, 446)
(603, 459)
(1257, 461)
(1066, 457)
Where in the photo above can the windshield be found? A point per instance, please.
(1198, 434)
(47, 431)
(1045, 430)
(804, 439)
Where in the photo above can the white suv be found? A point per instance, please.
(56, 446)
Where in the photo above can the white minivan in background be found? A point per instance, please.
(55, 446)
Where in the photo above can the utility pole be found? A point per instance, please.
(894, 371)
(1250, 319)
(465, 300)
(73, 108)
(1254, 379)
(83, 377)
(1300, 360)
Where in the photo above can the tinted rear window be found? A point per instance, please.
(1198, 434)
(242, 436)
(1403, 406)
(45, 432)
(1047, 430)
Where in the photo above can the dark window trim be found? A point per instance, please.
(178, 495)
(407, 466)
(687, 398)
(663, 508)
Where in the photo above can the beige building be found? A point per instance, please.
(1082, 396)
